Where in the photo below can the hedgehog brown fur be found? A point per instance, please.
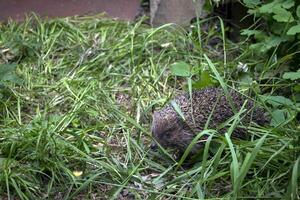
(170, 130)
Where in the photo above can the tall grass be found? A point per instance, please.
(79, 124)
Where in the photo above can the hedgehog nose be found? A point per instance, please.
(153, 146)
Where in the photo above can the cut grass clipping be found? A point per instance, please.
(75, 115)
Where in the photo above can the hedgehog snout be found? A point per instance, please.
(153, 146)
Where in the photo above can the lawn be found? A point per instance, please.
(76, 102)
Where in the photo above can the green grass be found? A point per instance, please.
(78, 125)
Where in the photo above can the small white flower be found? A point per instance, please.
(242, 67)
(165, 45)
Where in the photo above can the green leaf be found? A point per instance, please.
(287, 3)
(181, 69)
(268, 43)
(256, 33)
(205, 80)
(282, 15)
(249, 32)
(248, 161)
(245, 80)
(298, 12)
(279, 8)
(6, 69)
(268, 8)
(278, 117)
(2, 161)
(251, 3)
(208, 6)
(12, 78)
(292, 75)
(177, 109)
(297, 88)
(278, 100)
(234, 167)
(294, 30)
(292, 190)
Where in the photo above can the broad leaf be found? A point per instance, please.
(287, 3)
(268, 43)
(181, 69)
(245, 80)
(298, 12)
(282, 15)
(268, 8)
(278, 117)
(279, 8)
(294, 30)
(278, 100)
(256, 33)
(6, 69)
(292, 75)
(251, 3)
(297, 89)
(205, 80)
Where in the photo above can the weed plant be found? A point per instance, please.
(78, 124)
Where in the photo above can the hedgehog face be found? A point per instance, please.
(169, 132)
(164, 129)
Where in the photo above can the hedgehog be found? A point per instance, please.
(207, 106)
